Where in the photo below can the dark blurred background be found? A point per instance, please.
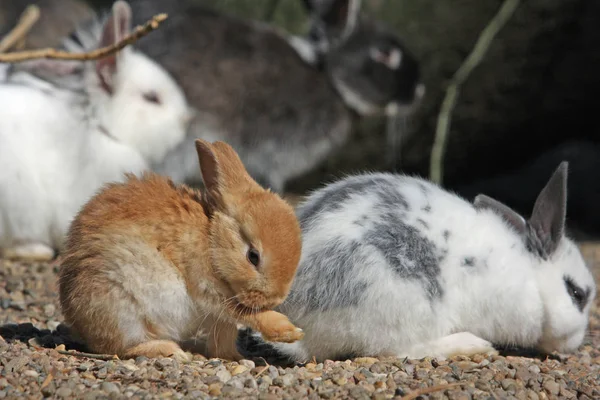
(529, 105)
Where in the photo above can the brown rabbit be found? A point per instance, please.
(148, 264)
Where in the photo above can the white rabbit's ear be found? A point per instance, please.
(49, 68)
(550, 211)
(508, 214)
(116, 27)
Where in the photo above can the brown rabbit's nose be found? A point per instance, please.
(259, 301)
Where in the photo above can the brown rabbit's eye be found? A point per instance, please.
(253, 256)
(152, 97)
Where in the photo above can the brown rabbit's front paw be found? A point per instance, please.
(276, 327)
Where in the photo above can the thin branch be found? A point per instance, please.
(28, 18)
(481, 47)
(138, 33)
(420, 392)
(104, 357)
(265, 368)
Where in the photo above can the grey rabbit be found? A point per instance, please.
(284, 103)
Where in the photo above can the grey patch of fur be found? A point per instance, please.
(361, 221)
(327, 278)
(468, 261)
(442, 255)
(425, 224)
(332, 198)
(446, 234)
(411, 255)
(427, 208)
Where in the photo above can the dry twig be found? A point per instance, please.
(28, 18)
(48, 379)
(138, 33)
(420, 392)
(103, 357)
(265, 368)
(481, 47)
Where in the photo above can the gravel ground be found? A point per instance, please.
(35, 363)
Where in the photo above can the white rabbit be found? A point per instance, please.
(87, 124)
(394, 265)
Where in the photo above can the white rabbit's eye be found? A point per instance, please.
(253, 256)
(152, 97)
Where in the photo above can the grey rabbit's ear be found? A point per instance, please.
(114, 30)
(550, 211)
(332, 19)
(513, 218)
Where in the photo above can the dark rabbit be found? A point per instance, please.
(518, 188)
(283, 103)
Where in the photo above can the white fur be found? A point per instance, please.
(51, 163)
(62, 139)
(164, 303)
(151, 129)
(305, 49)
(514, 298)
(355, 100)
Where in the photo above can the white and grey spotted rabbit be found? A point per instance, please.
(284, 103)
(394, 265)
(66, 128)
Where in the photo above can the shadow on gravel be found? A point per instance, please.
(27, 333)
(529, 353)
(248, 345)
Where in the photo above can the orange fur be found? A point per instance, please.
(148, 233)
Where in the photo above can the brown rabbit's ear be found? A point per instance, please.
(223, 173)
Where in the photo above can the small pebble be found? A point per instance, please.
(224, 375)
(63, 392)
(109, 387)
(248, 364)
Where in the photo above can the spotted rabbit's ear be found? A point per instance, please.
(550, 211)
(117, 26)
(513, 218)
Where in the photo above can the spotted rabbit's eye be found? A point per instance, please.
(578, 295)
(253, 256)
(152, 97)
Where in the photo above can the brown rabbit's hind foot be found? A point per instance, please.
(158, 349)
(28, 251)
